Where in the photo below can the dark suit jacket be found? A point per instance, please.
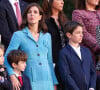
(76, 74)
(31, 1)
(8, 21)
(26, 83)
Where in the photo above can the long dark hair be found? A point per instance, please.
(81, 5)
(42, 26)
(47, 8)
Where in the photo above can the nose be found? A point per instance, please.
(25, 64)
(32, 13)
(81, 34)
(62, 1)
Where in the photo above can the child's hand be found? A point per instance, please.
(1, 79)
(2, 69)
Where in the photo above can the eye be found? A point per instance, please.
(35, 12)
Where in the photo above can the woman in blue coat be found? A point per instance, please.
(36, 42)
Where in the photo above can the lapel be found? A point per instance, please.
(74, 53)
(11, 11)
(29, 35)
(82, 53)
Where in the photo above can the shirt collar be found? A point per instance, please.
(78, 48)
(13, 1)
(17, 75)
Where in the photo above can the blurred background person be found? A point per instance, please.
(87, 13)
(10, 18)
(55, 20)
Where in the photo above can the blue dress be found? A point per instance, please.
(39, 66)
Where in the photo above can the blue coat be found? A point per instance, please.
(39, 64)
(76, 74)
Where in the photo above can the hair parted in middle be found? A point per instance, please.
(47, 8)
(42, 25)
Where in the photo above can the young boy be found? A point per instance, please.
(75, 62)
(5, 83)
(17, 59)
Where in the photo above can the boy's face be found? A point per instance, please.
(1, 57)
(20, 66)
(76, 36)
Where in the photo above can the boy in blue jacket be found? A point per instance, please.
(75, 63)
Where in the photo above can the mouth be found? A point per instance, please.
(32, 18)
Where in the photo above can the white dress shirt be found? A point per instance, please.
(77, 50)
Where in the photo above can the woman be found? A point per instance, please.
(88, 14)
(55, 20)
(36, 42)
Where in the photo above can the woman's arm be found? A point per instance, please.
(49, 45)
(14, 44)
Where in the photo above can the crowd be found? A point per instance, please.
(42, 50)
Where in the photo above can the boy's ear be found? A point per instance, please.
(14, 65)
(68, 35)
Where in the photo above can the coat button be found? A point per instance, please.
(40, 63)
(38, 54)
(36, 45)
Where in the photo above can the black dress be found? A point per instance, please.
(58, 38)
(58, 42)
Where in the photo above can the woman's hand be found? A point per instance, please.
(55, 87)
(15, 82)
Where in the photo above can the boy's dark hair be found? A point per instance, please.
(15, 56)
(2, 46)
(71, 26)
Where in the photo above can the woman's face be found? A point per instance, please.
(93, 2)
(33, 15)
(58, 5)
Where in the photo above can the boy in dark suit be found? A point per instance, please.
(5, 83)
(75, 62)
(17, 59)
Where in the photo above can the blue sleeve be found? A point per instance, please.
(65, 73)
(14, 44)
(50, 59)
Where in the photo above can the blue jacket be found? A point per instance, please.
(76, 74)
(39, 66)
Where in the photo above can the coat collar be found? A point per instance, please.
(28, 33)
(72, 51)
